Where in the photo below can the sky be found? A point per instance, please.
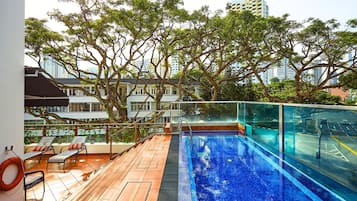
(300, 10)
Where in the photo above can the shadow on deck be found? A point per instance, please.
(135, 175)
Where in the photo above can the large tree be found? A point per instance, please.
(109, 36)
(165, 45)
(318, 52)
(211, 49)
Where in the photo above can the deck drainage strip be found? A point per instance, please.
(169, 183)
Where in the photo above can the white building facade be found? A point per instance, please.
(138, 101)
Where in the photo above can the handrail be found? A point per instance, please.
(317, 106)
(96, 124)
(113, 156)
(135, 126)
(83, 124)
(74, 128)
(190, 129)
(137, 137)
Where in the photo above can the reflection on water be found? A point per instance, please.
(227, 168)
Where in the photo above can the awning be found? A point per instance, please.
(40, 91)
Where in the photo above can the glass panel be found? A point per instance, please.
(95, 133)
(209, 112)
(65, 133)
(325, 140)
(262, 124)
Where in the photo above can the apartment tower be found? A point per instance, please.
(257, 7)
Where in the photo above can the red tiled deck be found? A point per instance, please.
(136, 175)
(61, 184)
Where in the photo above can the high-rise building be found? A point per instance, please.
(257, 7)
(282, 71)
(317, 76)
(175, 67)
(54, 68)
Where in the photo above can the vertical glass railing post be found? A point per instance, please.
(245, 113)
(281, 128)
(237, 118)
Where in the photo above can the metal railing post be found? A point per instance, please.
(136, 131)
(44, 130)
(110, 147)
(76, 130)
(107, 134)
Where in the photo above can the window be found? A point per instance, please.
(71, 92)
(97, 107)
(164, 106)
(139, 91)
(75, 92)
(92, 90)
(153, 91)
(79, 93)
(79, 107)
(174, 106)
(174, 91)
(167, 91)
(140, 106)
(57, 108)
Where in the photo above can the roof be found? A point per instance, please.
(40, 91)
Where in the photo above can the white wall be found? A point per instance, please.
(74, 115)
(96, 148)
(12, 88)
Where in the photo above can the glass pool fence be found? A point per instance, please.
(323, 138)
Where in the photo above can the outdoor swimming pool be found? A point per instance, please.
(230, 167)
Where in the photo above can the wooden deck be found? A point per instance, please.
(136, 175)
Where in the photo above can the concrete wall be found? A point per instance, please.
(12, 89)
(344, 94)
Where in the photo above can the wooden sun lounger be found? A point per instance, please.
(31, 154)
(77, 145)
(62, 157)
(42, 147)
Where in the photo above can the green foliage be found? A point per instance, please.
(349, 80)
(323, 97)
(238, 92)
(274, 80)
(350, 102)
(352, 23)
(283, 91)
(38, 37)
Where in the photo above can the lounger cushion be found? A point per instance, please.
(31, 154)
(75, 146)
(40, 148)
(60, 158)
(33, 180)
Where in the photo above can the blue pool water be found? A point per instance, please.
(229, 168)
